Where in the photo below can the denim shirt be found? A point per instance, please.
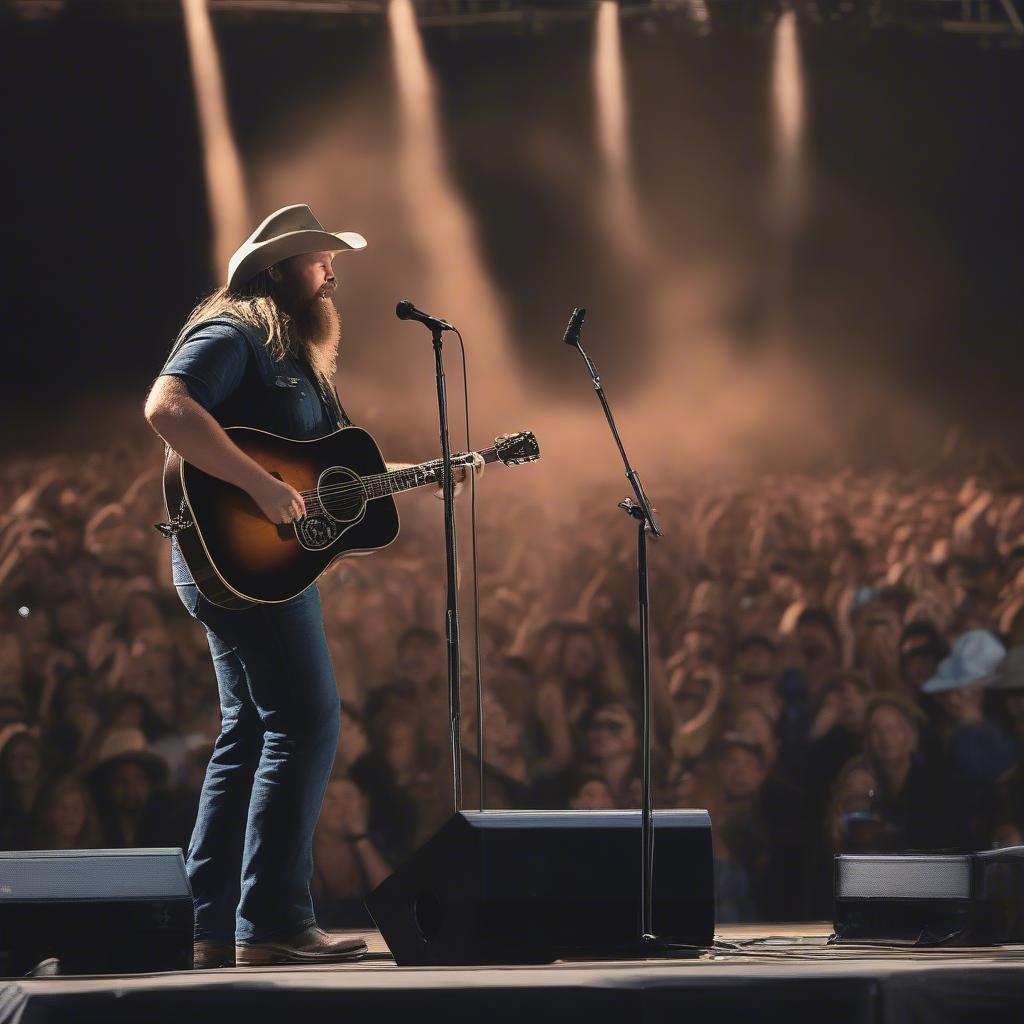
(230, 373)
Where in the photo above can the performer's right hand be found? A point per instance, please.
(278, 501)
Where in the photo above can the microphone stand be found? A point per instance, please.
(640, 510)
(405, 310)
(452, 612)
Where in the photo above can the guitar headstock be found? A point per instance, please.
(514, 449)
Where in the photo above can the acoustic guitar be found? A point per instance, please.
(238, 558)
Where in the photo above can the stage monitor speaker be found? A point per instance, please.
(96, 911)
(931, 899)
(521, 887)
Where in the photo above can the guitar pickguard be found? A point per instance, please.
(340, 503)
(315, 532)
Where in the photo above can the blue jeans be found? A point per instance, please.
(251, 855)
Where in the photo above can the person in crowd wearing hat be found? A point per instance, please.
(126, 782)
(250, 858)
(979, 753)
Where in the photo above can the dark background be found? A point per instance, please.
(906, 270)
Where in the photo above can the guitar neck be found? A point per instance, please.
(411, 477)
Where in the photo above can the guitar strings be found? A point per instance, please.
(338, 491)
(352, 486)
(358, 485)
(315, 497)
(363, 485)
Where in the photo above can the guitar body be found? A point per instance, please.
(237, 557)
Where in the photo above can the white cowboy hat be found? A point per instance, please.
(290, 231)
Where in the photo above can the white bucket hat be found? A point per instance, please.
(290, 231)
(974, 659)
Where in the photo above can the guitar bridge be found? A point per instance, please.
(176, 523)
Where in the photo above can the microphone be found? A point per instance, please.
(405, 310)
(572, 332)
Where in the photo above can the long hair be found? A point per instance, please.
(255, 304)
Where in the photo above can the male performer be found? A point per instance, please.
(261, 352)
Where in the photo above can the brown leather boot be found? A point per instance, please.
(208, 954)
(311, 946)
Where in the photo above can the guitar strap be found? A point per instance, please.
(329, 399)
(345, 419)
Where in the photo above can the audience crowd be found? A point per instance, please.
(838, 665)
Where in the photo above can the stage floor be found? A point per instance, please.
(755, 974)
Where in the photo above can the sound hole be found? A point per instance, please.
(341, 494)
(426, 912)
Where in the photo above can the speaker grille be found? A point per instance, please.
(904, 877)
(72, 875)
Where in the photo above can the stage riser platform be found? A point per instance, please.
(848, 992)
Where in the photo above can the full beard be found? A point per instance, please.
(318, 327)
(315, 327)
